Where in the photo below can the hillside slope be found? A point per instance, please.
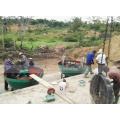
(114, 50)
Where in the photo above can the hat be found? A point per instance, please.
(20, 53)
(100, 51)
(30, 58)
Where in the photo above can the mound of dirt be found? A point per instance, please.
(81, 52)
(59, 48)
(91, 33)
(15, 27)
(77, 53)
(115, 48)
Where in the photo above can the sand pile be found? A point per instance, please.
(115, 48)
(81, 52)
(91, 33)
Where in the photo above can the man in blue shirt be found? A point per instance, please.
(31, 63)
(89, 61)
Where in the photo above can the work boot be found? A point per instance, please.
(85, 75)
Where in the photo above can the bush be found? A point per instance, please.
(55, 37)
(76, 55)
(69, 47)
(60, 37)
(18, 39)
(70, 38)
(30, 31)
(93, 38)
(51, 40)
(31, 39)
(38, 31)
(3, 55)
(8, 42)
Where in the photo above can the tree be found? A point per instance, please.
(81, 37)
(2, 29)
(77, 22)
(9, 21)
(23, 22)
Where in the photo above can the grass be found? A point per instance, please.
(35, 40)
(29, 45)
(53, 37)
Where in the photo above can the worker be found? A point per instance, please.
(101, 60)
(7, 65)
(31, 63)
(23, 60)
(63, 85)
(114, 74)
(64, 58)
(89, 61)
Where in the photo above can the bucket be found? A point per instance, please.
(82, 83)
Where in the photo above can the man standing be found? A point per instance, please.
(89, 61)
(101, 60)
(23, 60)
(7, 65)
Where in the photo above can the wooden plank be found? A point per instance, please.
(41, 81)
(48, 85)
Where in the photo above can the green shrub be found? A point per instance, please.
(51, 41)
(38, 31)
(8, 42)
(30, 31)
(18, 39)
(87, 44)
(76, 55)
(31, 39)
(60, 37)
(70, 38)
(69, 47)
(92, 38)
(55, 37)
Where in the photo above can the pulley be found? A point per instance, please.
(50, 96)
(101, 90)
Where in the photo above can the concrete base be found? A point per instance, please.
(2, 89)
(52, 77)
(36, 94)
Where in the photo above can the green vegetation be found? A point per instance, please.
(51, 32)
(76, 55)
(69, 47)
